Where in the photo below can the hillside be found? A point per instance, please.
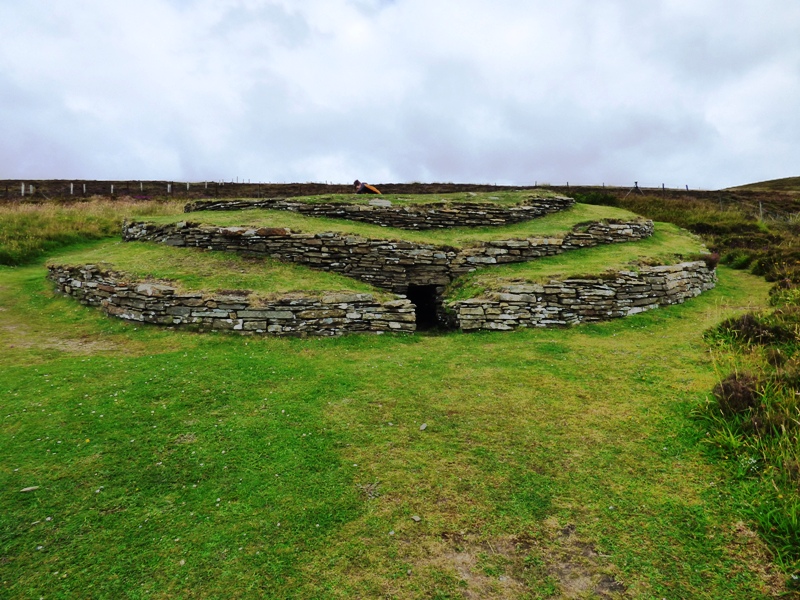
(786, 184)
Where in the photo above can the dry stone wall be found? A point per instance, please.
(332, 314)
(414, 216)
(388, 264)
(581, 300)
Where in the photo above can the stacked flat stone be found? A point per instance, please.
(387, 264)
(332, 314)
(412, 216)
(582, 300)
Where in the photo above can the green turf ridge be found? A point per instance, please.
(552, 225)
(192, 270)
(170, 464)
(669, 244)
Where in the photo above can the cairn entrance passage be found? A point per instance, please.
(427, 301)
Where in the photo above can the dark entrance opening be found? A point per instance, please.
(425, 299)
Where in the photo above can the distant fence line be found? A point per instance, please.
(51, 189)
(54, 188)
(65, 190)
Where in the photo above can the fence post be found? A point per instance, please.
(23, 190)
(169, 188)
(112, 189)
(71, 189)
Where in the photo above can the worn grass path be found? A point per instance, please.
(553, 464)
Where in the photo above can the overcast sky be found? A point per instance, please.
(704, 93)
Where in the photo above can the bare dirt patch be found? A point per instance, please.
(750, 553)
(515, 566)
(19, 337)
(580, 569)
(484, 569)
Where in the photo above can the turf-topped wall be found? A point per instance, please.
(581, 300)
(413, 216)
(329, 315)
(388, 264)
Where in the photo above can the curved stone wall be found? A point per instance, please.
(582, 300)
(388, 264)
(332, 314)
(413, 216)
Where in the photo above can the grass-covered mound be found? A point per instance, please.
(668, 244)
(553, 225)
(194, 270)
(501, 197)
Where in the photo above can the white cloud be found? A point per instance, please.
(696, 92)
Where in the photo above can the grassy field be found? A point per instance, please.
(553, 225)
(555, 463)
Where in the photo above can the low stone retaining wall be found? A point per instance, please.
(581, 300)
(582, 236)
(414, 216)
(388, 264)
(330, 315)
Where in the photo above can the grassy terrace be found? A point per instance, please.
(554, 225)
(500, 197)
(191, 269)
(667, 245)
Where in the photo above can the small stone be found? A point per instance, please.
(416, 518)
(423, 427)
(408, 572)
(391, 532)
(33, 488)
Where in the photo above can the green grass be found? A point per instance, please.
(665, 246)
(28, 231)
(553, 225)
(165, 460)
(191, 269)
